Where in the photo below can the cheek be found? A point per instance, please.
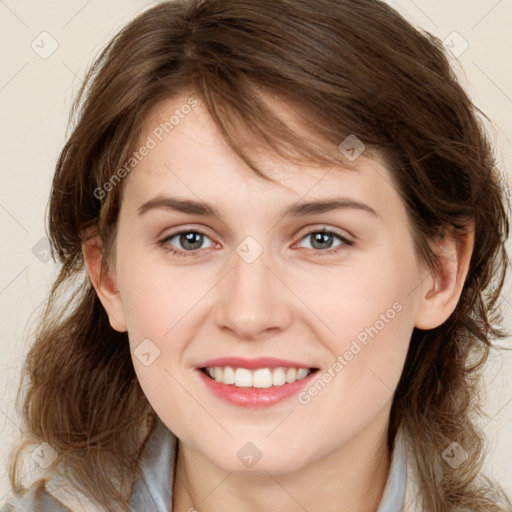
(157, 329)
(156, 296)
(372, 295)
(370, 315)
(159, 306)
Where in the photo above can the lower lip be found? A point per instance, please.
(254, 397)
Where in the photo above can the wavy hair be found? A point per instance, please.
(347, 67)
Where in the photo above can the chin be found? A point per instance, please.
(250, 460)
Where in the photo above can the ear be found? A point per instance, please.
(441, 292)
(103, 279)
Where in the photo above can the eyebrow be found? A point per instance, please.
(301, 209)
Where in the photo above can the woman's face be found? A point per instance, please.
(254, 288)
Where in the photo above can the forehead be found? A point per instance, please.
(189, 154)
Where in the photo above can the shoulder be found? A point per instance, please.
(155, 472)
(44, 497)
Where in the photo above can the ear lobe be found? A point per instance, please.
(103, 279)
(441, 292)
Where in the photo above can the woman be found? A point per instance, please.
(258, 368)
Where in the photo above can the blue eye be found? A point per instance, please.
(325, 238)
(192, 241)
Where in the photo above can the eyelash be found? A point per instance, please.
(177, 252)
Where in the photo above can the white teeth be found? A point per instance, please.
(291, 374)
(228, 375)
(243, 378)
(301, 373)
(278, 377)
(260, 378)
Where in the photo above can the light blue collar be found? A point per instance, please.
(152, 491)
(393, 498)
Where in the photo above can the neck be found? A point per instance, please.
(350, 478)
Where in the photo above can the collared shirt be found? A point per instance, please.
(152, 491)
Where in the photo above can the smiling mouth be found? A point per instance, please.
(259, 378)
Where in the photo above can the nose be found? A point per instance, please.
(254, 301)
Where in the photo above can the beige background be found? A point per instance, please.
(35, 95)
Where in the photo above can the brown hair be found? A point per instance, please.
(349, 67)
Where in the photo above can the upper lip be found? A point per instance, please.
(250, 364)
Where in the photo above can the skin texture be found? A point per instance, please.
(329, 454)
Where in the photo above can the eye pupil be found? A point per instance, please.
(323, 238)
(193, 239)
